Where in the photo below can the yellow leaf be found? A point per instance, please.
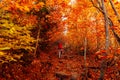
(26, 9)
(41, 4)
(2, 53)
(38, 6)
(5, 48)
(12, 30)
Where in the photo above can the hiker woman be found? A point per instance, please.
(60, 49)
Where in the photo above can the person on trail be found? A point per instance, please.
(60, 49)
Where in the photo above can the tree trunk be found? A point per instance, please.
(85, 54)
(37, 41)
(103, 64)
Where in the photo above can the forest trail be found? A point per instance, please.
(49, 67)
(70, 65)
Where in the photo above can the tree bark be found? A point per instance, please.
(37, 41)
(103, 64)
(85, 54)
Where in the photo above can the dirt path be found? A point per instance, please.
(70, 65)
(49, 67)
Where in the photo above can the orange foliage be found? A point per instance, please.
(78, 17)
(22, 5)
(72, 22)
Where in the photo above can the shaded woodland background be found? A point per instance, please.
(30, 31)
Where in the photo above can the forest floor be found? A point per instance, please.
(49, 67)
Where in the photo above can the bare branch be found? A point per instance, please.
(116, 13)
(99, 3)
(96, 6)
(109, 20)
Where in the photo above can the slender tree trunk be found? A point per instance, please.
(37, 41)
(103, 64)
(85, 55)
(102, 70)
(106, 27)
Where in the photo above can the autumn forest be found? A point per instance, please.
(59, 39)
